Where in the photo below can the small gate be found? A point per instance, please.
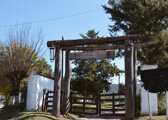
(111, 104)
(90, 103)
(84, 103)
(47, 103)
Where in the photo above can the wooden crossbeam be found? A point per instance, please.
(103, 47)
(92, 55)
(91, 41)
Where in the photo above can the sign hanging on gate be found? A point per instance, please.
(92, 55)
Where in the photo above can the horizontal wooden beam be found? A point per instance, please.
(103, 47)
(92, 55)
(91, 41)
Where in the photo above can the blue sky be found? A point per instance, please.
(57, 18)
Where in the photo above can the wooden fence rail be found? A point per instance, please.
(90, 103)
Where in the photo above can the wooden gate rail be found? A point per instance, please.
(85, 101)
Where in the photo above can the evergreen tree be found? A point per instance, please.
(149, 18)
(92, 75)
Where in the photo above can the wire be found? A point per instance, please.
(52, 19)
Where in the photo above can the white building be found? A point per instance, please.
(36, 84)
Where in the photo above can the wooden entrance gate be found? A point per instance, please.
(112, 104)
(97, 104)
(84, 103)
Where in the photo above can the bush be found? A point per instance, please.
(138, 105)
(161, 104)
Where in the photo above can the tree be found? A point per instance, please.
(147, 18)
(121, 88)
(92, 75)
(19, 55)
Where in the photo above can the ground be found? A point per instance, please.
(17, 112)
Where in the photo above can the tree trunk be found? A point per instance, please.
(15, 97)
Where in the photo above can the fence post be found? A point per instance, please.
(43, 103)
(113, 97)
(71, 93)
(84, 97)
(46, 101)
(99, 97)
(97, 103)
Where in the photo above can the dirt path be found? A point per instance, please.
(96, 117)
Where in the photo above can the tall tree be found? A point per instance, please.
(149, 18)
(19, 55)
(92, 75)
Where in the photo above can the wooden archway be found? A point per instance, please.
(130, 68)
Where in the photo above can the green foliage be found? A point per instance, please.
(43, 67)
(5, 87)
(18, 58)
(147, 18)
(138, 105)
(161, 104)
(121, 89)
(92, 75)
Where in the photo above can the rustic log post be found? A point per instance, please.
(57, 82)
(135, 74)
(129, 81)
(62, 81)
(66, 89)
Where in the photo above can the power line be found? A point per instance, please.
(52, 19)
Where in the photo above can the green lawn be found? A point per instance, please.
(16, 112)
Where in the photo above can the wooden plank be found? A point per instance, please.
(92, 55)
(57, 82)
(129, 78)
(121, 109)
(77, 107)
(120, 99)
(102, 47)
(106, 99)
(91, 41)
(113, 104)
(119, 105)
(106, 110)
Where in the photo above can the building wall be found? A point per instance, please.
(36, 85)
(145, 95)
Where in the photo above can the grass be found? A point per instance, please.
(16, 112)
